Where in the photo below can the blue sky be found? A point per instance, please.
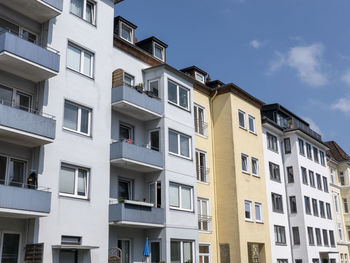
(294, 52)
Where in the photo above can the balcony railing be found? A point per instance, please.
(293, 123)
(201, 127)
(115, 255)
(204, 223)
(202, 174)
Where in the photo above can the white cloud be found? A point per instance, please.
(256, 43)
(342, 105)
(306, 60)
(313, 125)
(346, 77)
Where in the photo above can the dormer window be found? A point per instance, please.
(199, 77)
(158, 51)
(126, 32)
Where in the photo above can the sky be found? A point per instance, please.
(292, 52)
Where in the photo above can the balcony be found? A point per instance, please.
(21, 202)
(136, 214)
(136, 104)
(135, 157)
(25, 59)
(27, 128)
(39, 10)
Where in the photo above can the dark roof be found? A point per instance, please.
(194, 68)
(119, 18)
(336, 152)
(279, 107)
(214, 83)
(174, 70)
(152, 38)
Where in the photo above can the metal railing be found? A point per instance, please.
(115, 255)
(201, 127)
(204, 222)
(13, 104)
(33, 41)
(141, 89)
(296, 124)
(131, 141)
(8, 182)
(202, 174)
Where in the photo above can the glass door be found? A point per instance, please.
(17, 172)
(23, 101)
(155, 251)
(124, 245)
(10, 248)
(3, 165)
(155, 193)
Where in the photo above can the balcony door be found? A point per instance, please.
(155, 194)
(12, 171)
(10, 248)
(125, 246)
(155, 251)
(15, 98)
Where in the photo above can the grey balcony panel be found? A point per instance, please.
(22, 127)
(129, 101)
(128, 214)
(134, 157)
(27, 60)
(39, 10)
(24, 200)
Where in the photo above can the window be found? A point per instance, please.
(340, 233)
(307, 205)
(255, 166)
(200, 126)
(282, 260)
(252, 124)
(328, 209)
(304, 175)
(318, 237)
(126, 32)
(325, 237)
(125, 246)
(293, 204)
(181, 251)
(319, 183)
(159, 51)
(155, 192)
(336, 204)
(287, 146)
(241, 119)
(126, 132)
(70, 240)
(315, 154)
(258, 212)
(342, 178)
(74, 181)
(325, 184)
(296, 236)
(315, 260)
(346, 208)
(298, 261)
(179, 144)
(125, 190)
(290, 174)
(203, 214)
(280, 235)
(201, 166)
(312, 178)
(129, 80)
(277, 204)
(248, 210)
(322, 211)
(322, 158)
(310, 233)
(199, 77)
(301, 146)
(178, 95)
(84, 9)
(80, 60)
(153, 87)
(181, 196)
(272, 142)
(348, 230)
(314, 207)
(10, 248)
(308, 150)
(204, 253)
(13, 172)
(332, 176)
(154, 140)
(77, 118)
(274, 172)
(244, 160)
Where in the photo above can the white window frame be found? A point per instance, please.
(76, 173)
(149, 85)
(80, 107)
(250, 219)
(257, 174)
(203, 255)
(197, 153)
(121, 24)
(178, 87)
(201, 201)
(8, 163)
(272, 136)
(179, 146)
(130, 246)
(180, 197)
(336, 204)
(200, 77)
(132, 77)
(181, 248)
(196, 109)
(160, 47)
(81, 66)
(259, 205)
(149, 139)
(130, 187)
(247, 158)
(19, 253)
(244, 118)
(250, 117)
(340, 231)
(93, 3)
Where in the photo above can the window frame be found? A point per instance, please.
(259, 206)
(296, 236)
(250, 203)
(280, 231)
(94, 9)
(178, 87)
(76, 174)
(81, 62)
(243, 155)
(307, 205)
(272, 168)
(80, 108)
(179, 134)
(132, 32)
(277, 200)
(301, 146)
(274, 143)
(158, 87)
(180, 198)
(199, 168)
(287, 150)
(199, 77)
(182, 241)
(200, 222)
(311, 237)
(256, 160)
(162, 51)
(203, 255)
(244, 119)
(290, 178)
(308, 150)
(315, 153)
(196, 109)
(250, 117)
(294, 208)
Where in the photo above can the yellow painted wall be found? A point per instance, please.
(233, 186)
(207, 190)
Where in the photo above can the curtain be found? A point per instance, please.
(184, 146)
(73, 58)
(77, 7)
(67, 180)
(174, 195)
(186, 197)
(70, 116)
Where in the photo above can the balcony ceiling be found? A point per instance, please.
(135, 111)
(135, 166)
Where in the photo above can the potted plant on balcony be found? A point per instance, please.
(139, 87)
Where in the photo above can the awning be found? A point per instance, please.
(77, 247)
(328, 252)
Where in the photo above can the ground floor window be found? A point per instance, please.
(10, 248)
(204, 253)
(181, 251)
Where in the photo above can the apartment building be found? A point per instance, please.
(242, 211)
(296, 150)
(205, 169)
(339, 164)
(153, 173)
